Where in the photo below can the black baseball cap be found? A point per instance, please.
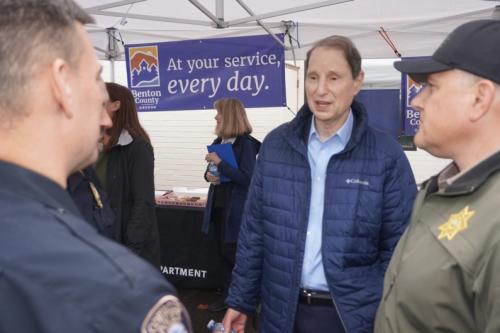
(473, 47)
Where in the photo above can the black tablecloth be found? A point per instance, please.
(189, 257)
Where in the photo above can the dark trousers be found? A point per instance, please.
(227, 251)
(317, 318)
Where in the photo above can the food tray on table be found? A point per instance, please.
(182, 197)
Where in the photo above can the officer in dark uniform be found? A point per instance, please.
(57, 274)
(92, 202)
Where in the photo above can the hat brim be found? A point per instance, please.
(419, 69)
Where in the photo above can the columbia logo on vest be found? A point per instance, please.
(357, 181)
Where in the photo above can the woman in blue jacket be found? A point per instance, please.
(226, 198)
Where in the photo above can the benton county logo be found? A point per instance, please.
(413, 89)
(412, 117)
(144, 66)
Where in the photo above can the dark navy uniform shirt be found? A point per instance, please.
(94, 206)
(57, 274)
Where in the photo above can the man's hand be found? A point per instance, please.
(234, 320)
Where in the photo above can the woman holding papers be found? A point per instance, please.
(229, 173)
(125, 168)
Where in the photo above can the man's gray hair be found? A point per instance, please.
(343, 44)
(32, 34)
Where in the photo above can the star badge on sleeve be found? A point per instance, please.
(456, 223)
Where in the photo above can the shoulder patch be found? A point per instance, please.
(168, 315)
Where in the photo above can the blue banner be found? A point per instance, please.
(382, 106)
(191, 75)
(409, 89)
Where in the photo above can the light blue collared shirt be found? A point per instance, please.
(319, 154)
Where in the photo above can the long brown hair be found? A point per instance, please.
(125, 118)
(234, 118)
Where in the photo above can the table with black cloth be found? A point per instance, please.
(189, 257)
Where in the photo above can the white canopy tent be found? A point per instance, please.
(415, 26)
(179, 138)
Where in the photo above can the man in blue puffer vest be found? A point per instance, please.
(329, 199)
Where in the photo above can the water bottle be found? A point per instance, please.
(214, 327)
(212, 168)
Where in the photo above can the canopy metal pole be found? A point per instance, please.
(219, 9)
(148, 17)
(287, 11)
(106, 53)
(112, 70)
(259, 22)
(114, 4)
(113, 50)
(204, 10)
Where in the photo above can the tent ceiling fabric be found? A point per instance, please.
(416, 27)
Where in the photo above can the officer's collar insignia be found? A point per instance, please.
(168, 315)
(456, 223)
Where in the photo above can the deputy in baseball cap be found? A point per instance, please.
(444, 274)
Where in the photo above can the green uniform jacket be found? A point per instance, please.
(444, 275)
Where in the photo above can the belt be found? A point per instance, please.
(312, 297)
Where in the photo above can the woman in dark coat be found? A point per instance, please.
(126, 171)
(226, 199)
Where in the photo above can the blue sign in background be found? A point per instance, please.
(409, 89)
(191, 75)
(382, 106)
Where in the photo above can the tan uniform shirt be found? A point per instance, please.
(444, 275)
